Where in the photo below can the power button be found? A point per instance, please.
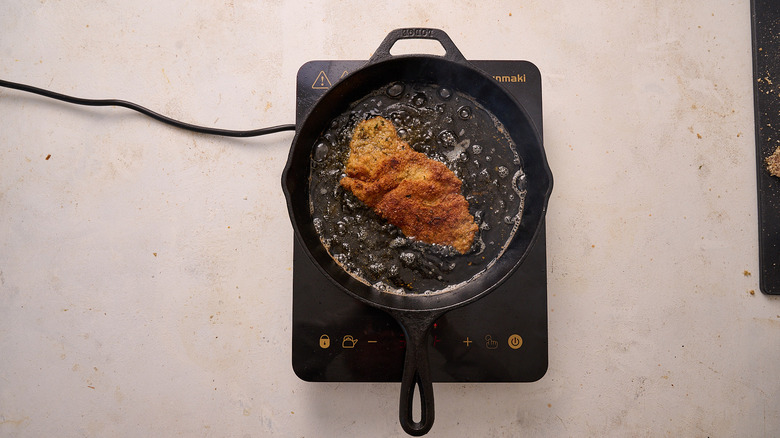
(515, 342)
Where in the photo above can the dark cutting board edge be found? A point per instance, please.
(765, 26)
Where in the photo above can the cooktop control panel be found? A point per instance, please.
(499, 338)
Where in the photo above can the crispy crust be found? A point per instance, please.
(419, 195)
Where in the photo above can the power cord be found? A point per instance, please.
(146, 112)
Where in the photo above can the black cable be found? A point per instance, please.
(145, 111)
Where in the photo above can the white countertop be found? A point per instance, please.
(145, 272)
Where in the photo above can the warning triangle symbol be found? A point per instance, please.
(322, 82)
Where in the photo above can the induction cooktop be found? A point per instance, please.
(499, 338)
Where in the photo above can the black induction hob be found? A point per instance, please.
(499, 338)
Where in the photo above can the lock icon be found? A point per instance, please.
(324, 341)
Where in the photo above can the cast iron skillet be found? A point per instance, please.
(417, 313)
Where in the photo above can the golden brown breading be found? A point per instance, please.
(419, 195)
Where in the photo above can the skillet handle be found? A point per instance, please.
(417, 33)
(417, 374)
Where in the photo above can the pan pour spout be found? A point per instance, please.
(419, 195)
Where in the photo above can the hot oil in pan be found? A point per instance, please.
(447, 126)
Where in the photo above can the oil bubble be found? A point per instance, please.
(503, 172)
(321, 152)
(519, 181)
(341, 258)
(464, 112)
(395, 90)
(419, 99)
(476, 149)
(445, 93)
(422, 147)
(397, 242)
(447, 138)
(407, 257)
